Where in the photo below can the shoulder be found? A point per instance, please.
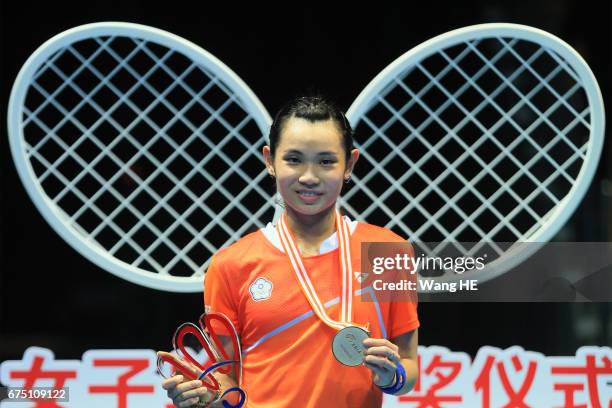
(246, 250)
(240, 250)
(374, 233)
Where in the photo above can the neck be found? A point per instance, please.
(311, 230)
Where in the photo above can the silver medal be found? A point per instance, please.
(348, 346)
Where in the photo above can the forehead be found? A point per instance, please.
(302, 134)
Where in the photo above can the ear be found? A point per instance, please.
(267, 156)
(354, 156)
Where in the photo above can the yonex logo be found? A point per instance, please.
(361, 276)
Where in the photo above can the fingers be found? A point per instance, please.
(384, 373)
(382, 358)
(186, 394)
(381, 348)
(370, 342)
(182, 392)
(384, 352)
(193, 396)
(172, 382)
(382, 363)
(195, 393)
(183, 388)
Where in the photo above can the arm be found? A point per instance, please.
(382, 357)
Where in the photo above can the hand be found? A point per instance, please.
(187, 393)
(382, 358)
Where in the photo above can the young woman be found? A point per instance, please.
(285, 287)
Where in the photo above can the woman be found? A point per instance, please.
(290, 317)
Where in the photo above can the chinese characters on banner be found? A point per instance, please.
(511, 378)
(496, 378)
(102, 378)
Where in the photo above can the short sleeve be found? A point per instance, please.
(218, 295)
(403, 318)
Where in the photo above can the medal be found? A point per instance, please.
(347, 344)
(348, 347)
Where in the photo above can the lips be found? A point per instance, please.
(309, 196)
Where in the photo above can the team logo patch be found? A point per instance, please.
(261, 289)
(361, 276)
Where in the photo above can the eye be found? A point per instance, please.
(327, 162)
(292, 159)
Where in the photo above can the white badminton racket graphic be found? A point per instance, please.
(489, 134)
(140, 149)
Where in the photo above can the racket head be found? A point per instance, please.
(210, 90)
(457, 66)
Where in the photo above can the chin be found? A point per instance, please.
(306, 209)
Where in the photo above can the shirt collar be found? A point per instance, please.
(328, 245)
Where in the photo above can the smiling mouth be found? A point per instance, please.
(309, 197)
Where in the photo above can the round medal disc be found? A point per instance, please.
(347, 346)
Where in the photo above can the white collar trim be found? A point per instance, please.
(327, 245)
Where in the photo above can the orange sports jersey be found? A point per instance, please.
(287, 354)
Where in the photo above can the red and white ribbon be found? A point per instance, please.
(292, 251)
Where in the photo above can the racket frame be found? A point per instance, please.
(522, 250)
(49, 210)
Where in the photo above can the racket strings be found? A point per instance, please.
(214, 149)
(484, 152)
(117, 161)
(162, 218)
(94, 211)
(128, 200)
(214, 114)
(526, 100)
(523, 169)
(431, 151)
(378, 201)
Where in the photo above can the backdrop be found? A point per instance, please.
(52, 297)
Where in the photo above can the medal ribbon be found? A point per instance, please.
(344, 253)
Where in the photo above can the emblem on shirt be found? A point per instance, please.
(361, 276)
(261, 289)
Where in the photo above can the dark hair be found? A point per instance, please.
(312, 108)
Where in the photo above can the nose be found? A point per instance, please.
(309, 176)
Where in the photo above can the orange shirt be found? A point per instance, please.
(286, 348)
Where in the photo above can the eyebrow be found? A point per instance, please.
(325, 153)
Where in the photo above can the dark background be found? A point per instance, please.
(52, 297)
